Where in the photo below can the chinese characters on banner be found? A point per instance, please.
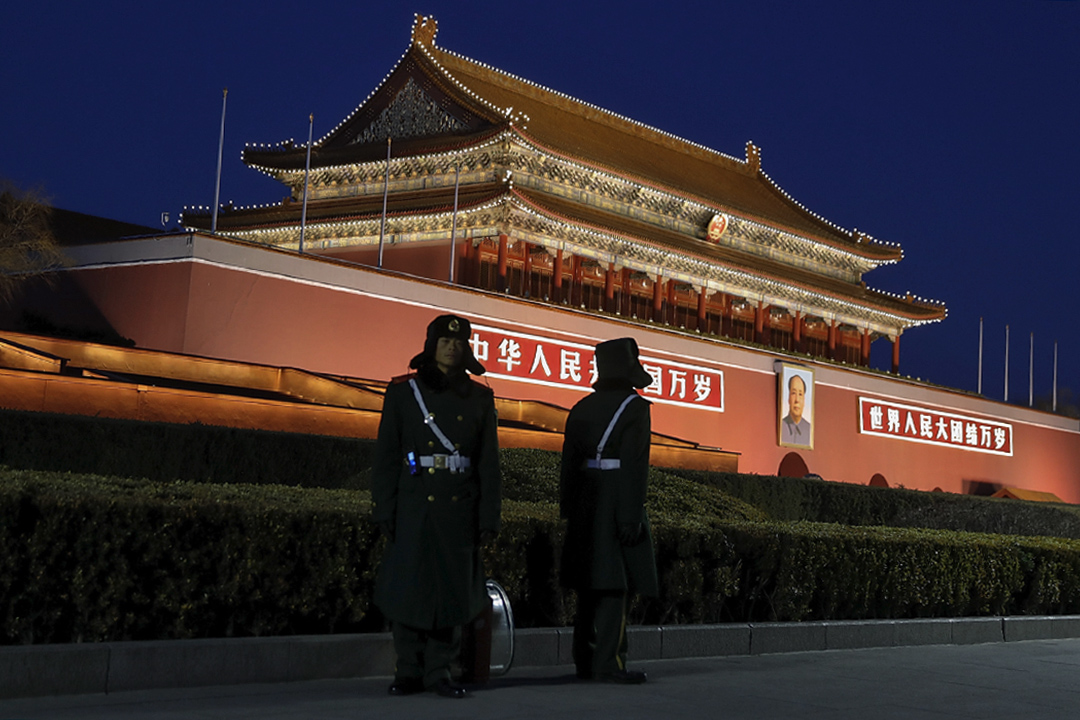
(559, 363)
(905, 422)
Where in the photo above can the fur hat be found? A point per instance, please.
(618, 360)
(451, 326)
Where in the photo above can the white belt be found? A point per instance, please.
(604, 464)
(453, 463)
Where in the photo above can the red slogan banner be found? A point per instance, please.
(916, 424)
(558, 363)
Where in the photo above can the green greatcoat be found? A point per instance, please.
(596, 502)
(431, 576)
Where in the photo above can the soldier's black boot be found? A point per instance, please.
(623, 677)
(407, 686)
(450, 689)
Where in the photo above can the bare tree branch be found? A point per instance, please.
(27, 244)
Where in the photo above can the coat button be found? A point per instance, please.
(454, 498)
(431, 498)
(431, 471)
(431, 443)
(457, 446)
(460, 418)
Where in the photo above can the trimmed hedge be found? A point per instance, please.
(169, 451)
(795, 499)
(85, 558)
(203, 453)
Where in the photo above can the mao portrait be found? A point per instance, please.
(796, 406)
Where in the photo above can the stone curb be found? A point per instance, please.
(38, 670)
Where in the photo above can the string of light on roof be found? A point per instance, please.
(457, 152)
(207, 208)
(370, 95)
(346, 224)
(505, 112)
(850, 233)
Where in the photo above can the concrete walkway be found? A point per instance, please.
(991, 681)
(106, 668)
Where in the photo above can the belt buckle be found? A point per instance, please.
(440, 462)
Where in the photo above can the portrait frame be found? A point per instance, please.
(789, 433)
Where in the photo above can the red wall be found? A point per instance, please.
(252, 304)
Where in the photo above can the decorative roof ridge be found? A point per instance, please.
(636, 124)
(611, 233)
(691, 198)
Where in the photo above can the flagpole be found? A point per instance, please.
(221, 146)
(453, 223)
(1055, 377)
(307, 176)
(1031, 372)
(979, 388)
(1006, 363)
(386, 191)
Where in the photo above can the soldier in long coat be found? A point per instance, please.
(609, 548)
(436, 496)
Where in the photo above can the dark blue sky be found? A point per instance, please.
(947, 126)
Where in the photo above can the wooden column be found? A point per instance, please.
(865, 358)
(627, 293)
(657, 299)
(504, 245)
(725, 314)
(478, 264)
(896, 354)
(466, 273)
(797, 332)
(576, 280)
(832, 339)
(702, 302)
(759, 322)
(526, 270)
(556, 278)
(609, 288)
(672, 303)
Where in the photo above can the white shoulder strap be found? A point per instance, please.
(429, 419)
(611, 425)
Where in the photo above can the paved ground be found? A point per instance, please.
(1033, 679)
